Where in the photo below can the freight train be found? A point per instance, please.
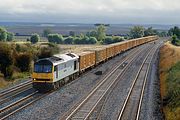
(53, 72)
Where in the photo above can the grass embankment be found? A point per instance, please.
(16, 78)
(170, 80)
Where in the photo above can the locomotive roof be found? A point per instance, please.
(60, 58)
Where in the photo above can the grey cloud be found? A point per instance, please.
(90, 11)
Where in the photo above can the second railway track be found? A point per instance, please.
(86, 107)
(10, 93)
(132, 104)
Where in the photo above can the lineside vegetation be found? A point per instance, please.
(170, 80)
(17, 59)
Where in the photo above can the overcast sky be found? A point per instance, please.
(91, 11)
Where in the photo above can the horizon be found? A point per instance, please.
(90, 23)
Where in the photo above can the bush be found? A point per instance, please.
(45, 52)
(10, 36)
(117, 39)
(92, 40)
(23, 47)
(54, 48)
(84, 40)
(175, 40)
(137, 32)
(48, 51)
(77, 40)
(34, 38)
(23, 61)
(55, 38)
(6, 59)
(10, 71)
(92, 33)
(3, 34)
(108, 40)
(69, 40)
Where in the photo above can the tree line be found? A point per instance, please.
(96, 36)
(140, 31)
(92, 37)
(175, 33)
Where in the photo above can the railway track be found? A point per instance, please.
(16, 106)
(12, 92)
(132, 104)
(86, 107)
(18, 87)
(98, 94)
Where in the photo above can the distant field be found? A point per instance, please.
(77, 48)
(64, 29)
(24, 38)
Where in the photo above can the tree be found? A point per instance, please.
(6, 59)
(117, 39)
(3, 34)
(45, 52)
(92, 40)
(10, 36)
(34, 38)
(174, 39)
(23, 61)
(149, 31)
(48, 51)
(55, 38)
(108, 40)
(84, 39)
(69, 40)
(101, 33)
(137, 32)
(92, 33)
(46, 32)
(77, 40)
(174, 31)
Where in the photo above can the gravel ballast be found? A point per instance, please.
(115, 100)
(151, 106)
(54, 105)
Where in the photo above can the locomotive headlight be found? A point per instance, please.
(34, 79)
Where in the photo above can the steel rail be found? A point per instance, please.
(96, 89)
(134, 83)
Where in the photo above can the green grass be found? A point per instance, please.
(21, 75)
(173, 92)
(177, 43)
(15, 79)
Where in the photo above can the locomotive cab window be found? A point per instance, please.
(43, 67)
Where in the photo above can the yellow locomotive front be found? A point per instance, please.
(42, 75)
